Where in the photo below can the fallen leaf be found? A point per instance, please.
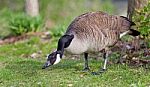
(70, 85)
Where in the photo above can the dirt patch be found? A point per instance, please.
(2, 65)
(13, 39)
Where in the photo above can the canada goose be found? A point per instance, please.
(91, 32)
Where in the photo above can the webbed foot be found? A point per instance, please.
(86, 69)
(95, 73)
(102, 70)
(99, 72)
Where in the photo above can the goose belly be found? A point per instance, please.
(98, 45)
(77, 46)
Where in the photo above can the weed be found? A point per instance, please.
(21, 23)
(58, 31)
(142, 20)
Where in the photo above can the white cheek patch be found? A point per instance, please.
(47, 56)
(48, 63)
(57, 59)
(124, 33)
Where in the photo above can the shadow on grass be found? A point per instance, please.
(31, 67)
(67, 65)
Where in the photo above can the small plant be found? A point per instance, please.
(142, 20)
(21, 24)
(58, 31)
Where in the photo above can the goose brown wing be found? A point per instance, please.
(98, 22)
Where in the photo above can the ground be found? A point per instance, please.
(18, 69)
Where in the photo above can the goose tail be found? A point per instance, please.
(134, 32)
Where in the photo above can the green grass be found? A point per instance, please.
(18, 69)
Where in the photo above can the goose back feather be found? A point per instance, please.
(94, 31)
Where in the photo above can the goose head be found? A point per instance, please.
(53, 59)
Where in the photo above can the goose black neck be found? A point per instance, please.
(64, 42)
(60, 48)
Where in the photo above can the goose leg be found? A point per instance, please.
(103, 69)
(105, 56)
(86, 67)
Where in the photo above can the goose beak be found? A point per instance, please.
(47, 64)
